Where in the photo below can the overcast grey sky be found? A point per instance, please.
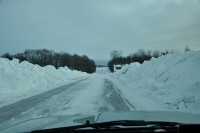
(96, 27)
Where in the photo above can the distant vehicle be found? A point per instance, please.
(117, 67)
(110, 122)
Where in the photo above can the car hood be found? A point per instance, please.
(169, 116)
(79, 119)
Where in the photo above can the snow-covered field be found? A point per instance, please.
(168, 83)
(22, 80)
(171, 82)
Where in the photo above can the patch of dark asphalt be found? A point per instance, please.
(114, 98)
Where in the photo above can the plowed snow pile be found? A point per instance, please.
(21, 80)
(171, 81)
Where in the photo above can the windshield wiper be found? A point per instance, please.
(116, 125)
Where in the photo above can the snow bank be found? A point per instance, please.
(25, 79)
(171, 81)
(126, 67)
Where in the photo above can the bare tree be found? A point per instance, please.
(156, 54)
(115, 54)
(187, 48)
(8, 56)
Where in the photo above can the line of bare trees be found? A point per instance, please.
(45, 57)
(140, 56)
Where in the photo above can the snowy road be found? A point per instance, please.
(87, 96)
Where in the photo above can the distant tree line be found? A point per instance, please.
(45, 57)
(140, 56)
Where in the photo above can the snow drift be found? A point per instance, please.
(172, 81)
(25, 79)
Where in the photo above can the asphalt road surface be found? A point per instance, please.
(95, 94)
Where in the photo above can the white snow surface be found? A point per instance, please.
(102, 70)
(22, 80)
(170, 82)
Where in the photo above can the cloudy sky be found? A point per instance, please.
(96, 27)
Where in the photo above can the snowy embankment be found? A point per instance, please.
(170, 82)
(22, 80)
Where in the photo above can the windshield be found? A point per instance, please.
(63, 60)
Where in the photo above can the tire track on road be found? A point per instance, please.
(114, 99)
(13, 110)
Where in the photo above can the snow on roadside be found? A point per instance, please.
(170, 82)
(102, 70)
(22, 80)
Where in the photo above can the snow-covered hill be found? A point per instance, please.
(171, 81)
(21, 80)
